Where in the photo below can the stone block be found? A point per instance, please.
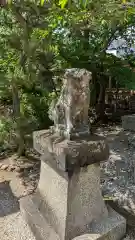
(68, 200)
(38, 224)
(69, 154)
(126, 209)
(64, 207)
(111, 228)
(121, 170)
(70, 203)
(128, 122)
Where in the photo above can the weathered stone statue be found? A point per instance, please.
(68, 203)
(70, 114)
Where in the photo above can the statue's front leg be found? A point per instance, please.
(68, 121)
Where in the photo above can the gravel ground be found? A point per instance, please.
(130, 234)
(12, 224)
(118, 173)
(14, 227)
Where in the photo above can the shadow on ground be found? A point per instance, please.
(8, 202)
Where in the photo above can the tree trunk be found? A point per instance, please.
(16, 101)
(17, 119)
(93, 91)
(100, 108)
(110, 82)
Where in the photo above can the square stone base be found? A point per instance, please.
(128, 122)
(111, 228)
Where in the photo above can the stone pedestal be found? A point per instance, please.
(68, 203)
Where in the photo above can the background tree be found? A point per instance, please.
(86, 33)
(40, 39)
(26, 65)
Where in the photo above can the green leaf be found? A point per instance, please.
(63, 3)
(9, 1)
(131, 11)
(103, 22)
(85, 3)
(42, 2)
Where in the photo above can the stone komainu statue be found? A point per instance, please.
(70, 112)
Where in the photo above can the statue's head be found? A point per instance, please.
(82, 75)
